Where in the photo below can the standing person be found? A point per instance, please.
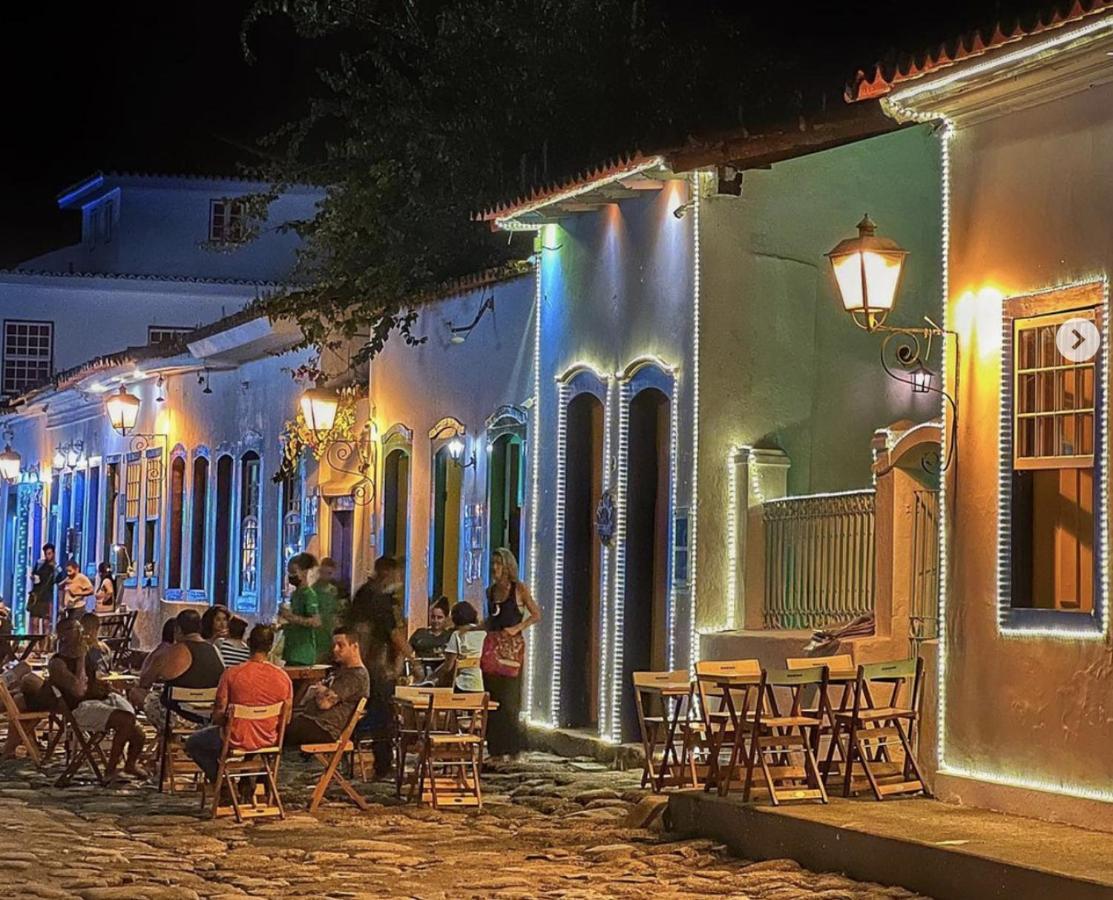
(232, 648)
(511, 609)
(376, 620)
(301, 617)
(465, 646)
(329, 704)
(256, 682)
(332, 594)
(76, 591)
(40, 603)
(214, 623)
(106, 589)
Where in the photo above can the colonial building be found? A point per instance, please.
(1024, 665)
(689, 333)
(159, 256)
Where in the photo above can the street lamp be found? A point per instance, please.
(922, 378)
(123, 410)
(456, 448)
(867, 271)
(318, 408)
(10, 464)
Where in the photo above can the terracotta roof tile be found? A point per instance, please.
(885, 76)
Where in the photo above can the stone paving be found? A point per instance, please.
(549, 828)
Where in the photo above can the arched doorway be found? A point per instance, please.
(447, 484)
(645, 600)
(222, 556)
(396, 501)
(580, 596)
(506, 473)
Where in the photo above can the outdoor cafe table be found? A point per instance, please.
(676, 702)
(733, 722)
(303, 676)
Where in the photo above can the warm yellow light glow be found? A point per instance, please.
(867, 272)
(456, 448)
(9, 464)
(977, 320)
(318, 408)
(123, 410)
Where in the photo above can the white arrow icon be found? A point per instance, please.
(1078, 340)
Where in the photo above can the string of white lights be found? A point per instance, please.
(606, 604)
(1005, 626)
(619, 562)
(674, 447)
(693, 516)
(732, 539)
(531, 633)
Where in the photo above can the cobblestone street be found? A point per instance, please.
(550, 828)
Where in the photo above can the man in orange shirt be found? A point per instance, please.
(256, 682)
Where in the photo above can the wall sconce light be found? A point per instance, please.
(318, 408)
(160, 398)
(10, 461)
(59, 460)
(204, 379)
(868, 271)
(69, 455)
(459, 334)
(123, 410)
(456, 448)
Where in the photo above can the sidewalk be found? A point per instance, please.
(937, 849)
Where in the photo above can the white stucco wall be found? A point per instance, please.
(415, 387)
(1030, 209)
(782, 365)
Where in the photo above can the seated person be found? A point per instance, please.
(29, 695)
(232, 648)
(431, 641)
(190, 662)
(328, 705)
(99, 654)
(95, 708)
(461, 657)
(256, 682)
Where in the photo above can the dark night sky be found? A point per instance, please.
(163, 86)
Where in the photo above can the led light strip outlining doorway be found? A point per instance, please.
(531, 639)
(606, 603)
(693, 505)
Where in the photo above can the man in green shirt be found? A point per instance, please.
(302, 616)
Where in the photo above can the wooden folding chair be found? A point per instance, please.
(675, 724)
(408, 710)
(330, 755)
(237, 764)
(841, 674)
(874, 731)
(728, 690)
(174, 765)
(773, 742)
(81, 746)
(116, 631)
(454, 728)
(26, 724)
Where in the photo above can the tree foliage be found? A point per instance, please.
(430, 110)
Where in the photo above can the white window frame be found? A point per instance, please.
(25, 357)
(227, 220)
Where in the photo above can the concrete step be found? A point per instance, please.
(937, 849)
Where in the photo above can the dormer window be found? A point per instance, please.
(100, 222)
(226, 221)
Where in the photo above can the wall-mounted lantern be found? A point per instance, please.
(867, 271)
(123, 411)
(10, 461)
(456, 448)
(318, 408)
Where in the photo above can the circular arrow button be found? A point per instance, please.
(1078, 340)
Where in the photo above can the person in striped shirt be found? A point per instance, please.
(232, 648)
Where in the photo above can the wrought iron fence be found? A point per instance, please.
(923, 588)
(819, 559)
